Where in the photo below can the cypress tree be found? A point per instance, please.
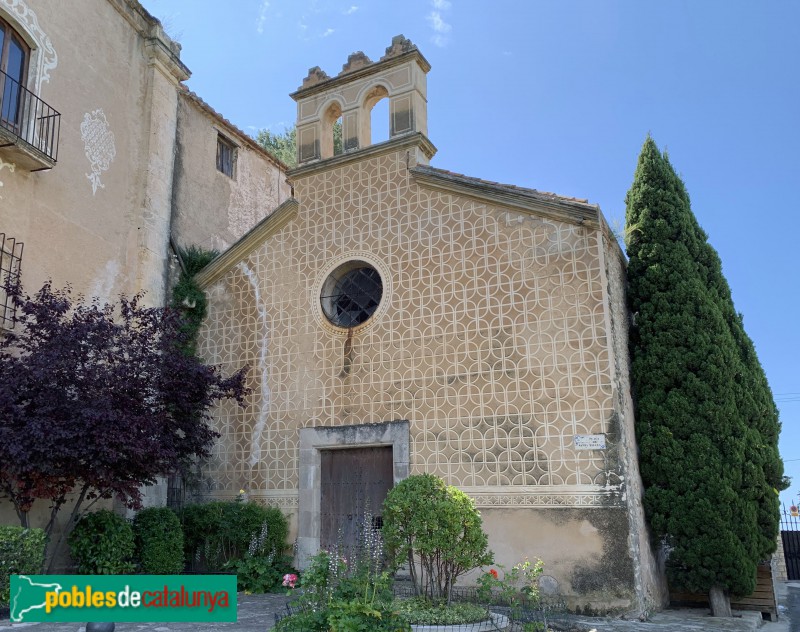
(706, 423)
(763, 468)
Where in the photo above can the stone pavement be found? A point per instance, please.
(682, 620)
(257, 614)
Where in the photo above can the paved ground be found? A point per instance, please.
(257, 614)
(789, 600)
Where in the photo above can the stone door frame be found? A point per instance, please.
(312, 440)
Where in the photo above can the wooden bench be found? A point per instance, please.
(761, 600)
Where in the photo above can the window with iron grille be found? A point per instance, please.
(226, 155)
(351, 294)
(10, 260)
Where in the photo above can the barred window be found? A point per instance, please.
(226, 155)
(10, 260)
(351, 294)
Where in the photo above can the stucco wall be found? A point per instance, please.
(649, 567)
(97, 219)
(80, 220)
(211, 209)
(491, 339)
(585, 552)
(100, 218)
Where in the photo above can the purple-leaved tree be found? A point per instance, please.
(96, 401)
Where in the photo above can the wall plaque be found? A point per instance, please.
(589, 442)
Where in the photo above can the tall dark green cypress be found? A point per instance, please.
(706, 422)
(763, 469)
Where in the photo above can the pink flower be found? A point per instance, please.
(290, 579)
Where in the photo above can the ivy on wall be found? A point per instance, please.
(187, 296)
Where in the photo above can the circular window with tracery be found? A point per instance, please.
(351, 294)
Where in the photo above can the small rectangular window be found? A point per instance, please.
(226, 156)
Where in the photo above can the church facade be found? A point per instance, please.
(400, 319)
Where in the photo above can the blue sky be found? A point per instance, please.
(559, 96)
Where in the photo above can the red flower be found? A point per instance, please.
(493, 573)
(290, 579)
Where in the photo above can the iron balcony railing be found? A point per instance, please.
(28, 117)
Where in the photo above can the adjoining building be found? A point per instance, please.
(106, 158)
(400, 318)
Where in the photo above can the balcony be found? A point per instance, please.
(29, 128)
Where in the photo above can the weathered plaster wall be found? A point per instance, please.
(100, 218)
(97, 219)
(585, 552)
(81, 221)
(492, 339)
(649, 571)
(212, 210)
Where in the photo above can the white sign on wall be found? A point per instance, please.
(589, 442)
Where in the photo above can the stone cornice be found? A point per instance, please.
(524, 200)
(161, 48)
(164, 57)
(138, 17)
(365, 71)
(416, 139)
(270, 225)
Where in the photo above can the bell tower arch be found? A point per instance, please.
(400, 75)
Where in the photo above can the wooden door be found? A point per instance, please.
(355, 482)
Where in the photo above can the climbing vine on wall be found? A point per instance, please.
(188, 297)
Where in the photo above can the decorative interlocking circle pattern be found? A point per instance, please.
(492, 341)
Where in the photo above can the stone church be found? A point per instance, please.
(400, 318)
(397, 318)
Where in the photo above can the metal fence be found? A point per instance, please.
(790, 537)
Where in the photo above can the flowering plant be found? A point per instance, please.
(290, 580)
(516, 585)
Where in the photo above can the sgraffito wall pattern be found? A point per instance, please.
(491, 340)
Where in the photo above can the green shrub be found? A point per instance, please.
(305, 621)
(436, 530)
(159, 541)
(21, 552)
(260, 570)
(102, 544)
(359, 616)
(219, 532)
(421, 611)
(347, 597)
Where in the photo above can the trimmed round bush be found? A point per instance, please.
(102, 544)
(436, 529)
(159, 541)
